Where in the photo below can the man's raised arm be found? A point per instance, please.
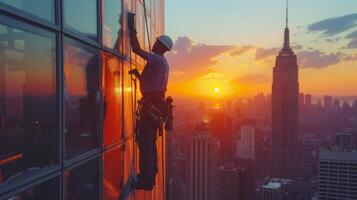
(135, 45)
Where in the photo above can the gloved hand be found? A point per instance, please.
(131, 22)
(135, 72)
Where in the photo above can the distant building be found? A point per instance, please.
(308, 100)
(301, 101)
(175, 189)
(336, 104)
(222, 130)
(202, 169)
(285, 91)
(346, 141)
(337, 175)
(229, 185)
(327, 102)
(346, 106)
(275, 189)
(246, 139)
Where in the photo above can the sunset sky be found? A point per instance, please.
(232, 44)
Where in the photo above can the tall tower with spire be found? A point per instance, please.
(285, 91)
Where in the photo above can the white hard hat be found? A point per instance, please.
(166, 41)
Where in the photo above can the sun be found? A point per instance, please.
(216, 89)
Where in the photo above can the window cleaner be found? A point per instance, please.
(154, 109)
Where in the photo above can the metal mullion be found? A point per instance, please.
(116, 53)
(59, 6)
(84, 156)
(81, 162)
(99, 21)
(101, 132)
(60, 97)
(78, 37)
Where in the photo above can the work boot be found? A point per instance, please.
(143, 184)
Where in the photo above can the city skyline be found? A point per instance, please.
(240, 62)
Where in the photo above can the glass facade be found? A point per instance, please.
(67, 102)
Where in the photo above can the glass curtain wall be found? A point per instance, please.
(67, 102)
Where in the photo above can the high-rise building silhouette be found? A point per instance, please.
(222, 129)
(337, 174)
(327, 102)
(246, 142)
(308, 100)
(202, 174)
(285, 95)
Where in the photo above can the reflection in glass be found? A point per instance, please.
(112, 92)
(140, 27)
(28, 133)
(82, 98)
(81, 16)
(82, 182)
(128, 98)
(112, 24)
(45, 191)
(40, 8)
(112, 174)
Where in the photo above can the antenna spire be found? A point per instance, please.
(287, 13)
(286, 45)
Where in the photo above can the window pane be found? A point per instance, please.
(82, 98)
(112, 92)
(112, 174)
(45, 191)
(81, 16)
(128, 98)
(112, 24)
(28, 133)
(40, 8)
(82, 182)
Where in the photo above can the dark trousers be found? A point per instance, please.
(146, 140)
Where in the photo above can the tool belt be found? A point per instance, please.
(156, 110)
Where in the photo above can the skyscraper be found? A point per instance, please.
(327, 102)
(202, 175)
(246, 143)
(222, 130)
(285, 92)
(308, 100)
(337, 174)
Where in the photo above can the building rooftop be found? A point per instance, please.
(276, 183)
(272, 186)
(337, 154)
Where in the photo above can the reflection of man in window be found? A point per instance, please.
(153, 82)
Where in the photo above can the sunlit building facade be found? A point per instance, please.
(67, 102)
